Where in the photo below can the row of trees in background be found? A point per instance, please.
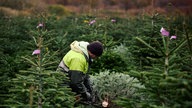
(128, 3)
(112, 5)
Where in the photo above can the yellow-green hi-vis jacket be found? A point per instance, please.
(76, 64)
(77, 58)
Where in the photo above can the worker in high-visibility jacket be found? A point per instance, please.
(76, 64)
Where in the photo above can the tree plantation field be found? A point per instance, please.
(147, 60)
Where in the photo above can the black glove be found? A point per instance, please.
(87, 84)
(86, 96)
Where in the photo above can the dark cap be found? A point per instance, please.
(95, 48)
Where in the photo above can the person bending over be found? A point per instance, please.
(76, 64)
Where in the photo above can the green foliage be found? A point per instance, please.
(161, 90)
(165, 85)
(123, 52)
(11, 38)
(29, 88)
(111, 61)
(39, 86)
(112, 86)
(126, 55)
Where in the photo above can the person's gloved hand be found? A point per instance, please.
(87, 96)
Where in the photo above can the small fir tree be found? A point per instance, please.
(166, 86)
(39, 86)
(111, 85)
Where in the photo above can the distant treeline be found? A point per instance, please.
(178, 5)
(126, 4)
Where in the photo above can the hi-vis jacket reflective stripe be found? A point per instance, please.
(63, 66)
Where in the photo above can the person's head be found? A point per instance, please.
(95, 49)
